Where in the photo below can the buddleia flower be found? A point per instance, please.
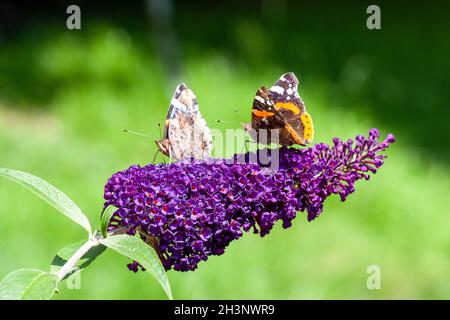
(189, 210)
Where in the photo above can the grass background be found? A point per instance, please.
(65, 95)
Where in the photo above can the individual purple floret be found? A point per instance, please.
(190, 210)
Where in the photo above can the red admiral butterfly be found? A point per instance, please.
(281, 108)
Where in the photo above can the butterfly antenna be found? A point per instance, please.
(238, 112)
(226, 121)
(136, 133)
(160, 132)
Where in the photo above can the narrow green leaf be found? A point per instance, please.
(28, 284)
(136, 249)
(106, 216)
(67, 252)
(48, 193)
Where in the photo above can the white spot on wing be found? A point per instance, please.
(277, 89)
(258, 98)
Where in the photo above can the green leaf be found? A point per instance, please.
(136, 249)
(67, 252)
(48, 193)
(28, 284)
(106, 216)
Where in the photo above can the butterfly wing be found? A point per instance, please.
(186, 130)
(265, 118)
(164, 144)
(264, 114)
(288, 102)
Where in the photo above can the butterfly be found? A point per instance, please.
(279, 114)
(186, 133)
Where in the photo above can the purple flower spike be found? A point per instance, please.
(194, 209)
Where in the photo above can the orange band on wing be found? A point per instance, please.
(262, 113)
(287, 106)
(308, 126)
(294, 134)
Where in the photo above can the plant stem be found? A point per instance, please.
(70, 264)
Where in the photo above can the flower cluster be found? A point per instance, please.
(190, 210)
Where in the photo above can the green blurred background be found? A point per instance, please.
(65, 95)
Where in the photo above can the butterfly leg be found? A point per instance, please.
(246, 144)
(154, 157)
(244, 147)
